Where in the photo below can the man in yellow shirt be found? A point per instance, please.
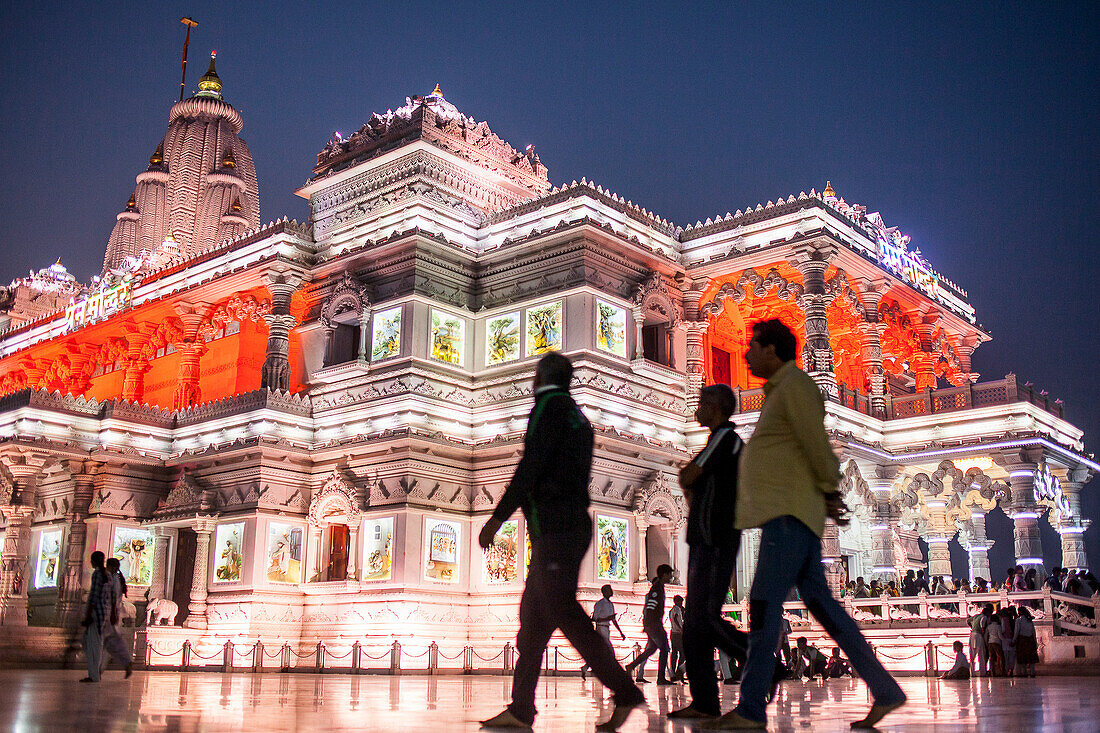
(787, 486)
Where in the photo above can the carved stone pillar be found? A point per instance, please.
(196, 609)
(695, 373)
(830, 557)
(158, 584)
(977, 544)
(817, 353)
(364, 331)
(315, 567)
(639, 321)
(1071, 526)
(71, 607)
(643, 531)
(939, 555)
(14, 571)
(353, 551)
(133, 382)
(880, 480)
(276, 370)
(923, 363)
(80, 368)
(35, 369)
(1024, 512)
(965, 349)
(187, 381)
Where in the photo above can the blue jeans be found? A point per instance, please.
(790, 555)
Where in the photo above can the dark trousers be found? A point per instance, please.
(710, 570)
(549, 603)
(676, 656)
(656, 639)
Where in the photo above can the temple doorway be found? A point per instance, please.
(183, 576)
(338, 546)
(658, 548)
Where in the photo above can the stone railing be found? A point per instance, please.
(949, 399)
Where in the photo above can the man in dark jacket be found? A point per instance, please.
(654, 627)
(710, 486)
(551, 486)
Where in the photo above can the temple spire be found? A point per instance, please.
(210, 85)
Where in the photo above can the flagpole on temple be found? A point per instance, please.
(183, 78)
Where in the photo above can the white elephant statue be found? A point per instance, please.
(159, 611)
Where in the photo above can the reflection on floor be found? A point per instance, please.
(197, 701)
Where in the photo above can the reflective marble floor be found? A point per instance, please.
(33, 700)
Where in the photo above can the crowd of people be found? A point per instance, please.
(1075, 582)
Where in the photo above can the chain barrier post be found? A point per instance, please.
(507, 657)
(395, 657)
(433, 658)
(286, 657)
(185, 661)
(467, 660)
(929, 659)
(320, 663)
(637, 651)
(555, 661)
(355, 657)
(227, 657)
(258, 656)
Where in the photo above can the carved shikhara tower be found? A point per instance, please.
(309, 423)
(199, 188)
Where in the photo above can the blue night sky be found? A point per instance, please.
(972, 127)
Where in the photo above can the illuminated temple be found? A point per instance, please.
(295, 431)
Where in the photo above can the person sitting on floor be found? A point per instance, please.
(808, 660)
(837, 666)
(961, 668)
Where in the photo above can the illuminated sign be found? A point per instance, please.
(1047, 486)
(909, 266)
(99, 305)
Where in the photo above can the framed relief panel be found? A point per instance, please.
(501, 559)
(378, 549)
(49, 559)
(544, 329)
(610, 328)
(386, 333)
(441, 550)
(612, 549)
(448, 333)
(284, 553)
(228, 552)
(502, 339)
(134, 549)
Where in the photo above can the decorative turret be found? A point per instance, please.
(210, 85)
(828, 194)
(196, 177)
(131, 203)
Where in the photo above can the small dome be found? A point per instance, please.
(228, 161)
(210, 85)
(829, 194)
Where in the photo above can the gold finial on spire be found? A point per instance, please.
(437, 92)
(828, 192)
(228, 161)
(210, 85)
(59, 259)
(158, 155)
(131, 205)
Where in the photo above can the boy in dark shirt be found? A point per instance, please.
(652, 622)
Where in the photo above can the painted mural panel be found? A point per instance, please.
(228, 552)
(611, 328)
(134, 549)
(386, 334)
(441, 550)
(501, 557)
(502, 339)
(544, 329)
(49, 559)
(284, 553)
(378, 549)
(448, 337)
(611, 548)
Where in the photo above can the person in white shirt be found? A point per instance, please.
(603, 615)
(676, 637)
